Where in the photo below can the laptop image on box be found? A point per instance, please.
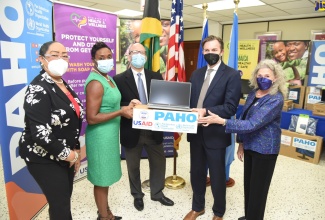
(170, 95)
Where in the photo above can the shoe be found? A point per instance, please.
(165, 201)
(242, 218)
(208, 183)
(192, 215)
(230, 182)
(138, 204)
(115, 218)
(216, 218)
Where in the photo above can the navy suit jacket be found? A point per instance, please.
(128, 88)
(222, 98)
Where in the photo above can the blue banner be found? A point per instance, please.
(24, 26)
(317, 64)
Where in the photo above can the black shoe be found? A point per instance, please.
(242, 218)
(165, 201)
(115, 217)
(138, 204)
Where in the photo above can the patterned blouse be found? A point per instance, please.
(52, 126)
(260, 131)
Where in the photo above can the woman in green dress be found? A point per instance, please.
(102, 133)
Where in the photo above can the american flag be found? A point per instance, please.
(176, 63)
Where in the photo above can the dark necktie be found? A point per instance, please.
(204, 89)
(141, 90)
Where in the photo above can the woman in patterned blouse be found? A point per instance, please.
(258, 134)
(50, 141)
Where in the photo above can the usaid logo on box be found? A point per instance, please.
(163, 120)
(304, 144)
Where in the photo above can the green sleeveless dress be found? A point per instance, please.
(102, 140)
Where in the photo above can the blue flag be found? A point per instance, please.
(200, 58)
(232, 62)
(233, 49)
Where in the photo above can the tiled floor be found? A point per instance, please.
(297, 192)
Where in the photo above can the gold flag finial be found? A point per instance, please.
(205, 7)
(236, 4)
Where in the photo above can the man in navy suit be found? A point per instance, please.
(217, 88)
(134, 83)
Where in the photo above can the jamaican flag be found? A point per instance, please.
(151, 30)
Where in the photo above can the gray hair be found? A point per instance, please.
(280, 83)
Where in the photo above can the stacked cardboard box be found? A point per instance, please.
(297, 95)
(319, 109)
(301, 146)
(287, 105)
(313, 95)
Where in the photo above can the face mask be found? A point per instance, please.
(105, 66)
(264, 83)
(211, 58)
(57, 67)
(138, 60)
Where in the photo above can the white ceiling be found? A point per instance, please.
(193, 17)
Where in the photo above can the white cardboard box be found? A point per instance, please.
(164, 120)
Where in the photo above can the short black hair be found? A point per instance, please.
(97, 46)
(45, 47)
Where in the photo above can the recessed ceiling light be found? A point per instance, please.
(229, 4)
(129, 13)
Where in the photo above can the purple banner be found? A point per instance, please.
(78, 29)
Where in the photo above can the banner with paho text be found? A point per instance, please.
(24, 26)
(78, 29)
(317, 64)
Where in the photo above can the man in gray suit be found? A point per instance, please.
(134, 83)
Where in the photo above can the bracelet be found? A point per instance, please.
(76, 156)
(225, 122)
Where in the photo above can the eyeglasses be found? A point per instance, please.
(56, 57)
(137, 52)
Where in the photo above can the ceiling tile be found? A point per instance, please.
(256, 9)
(273, 14)
(295, 4)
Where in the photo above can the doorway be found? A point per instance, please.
(191, 50)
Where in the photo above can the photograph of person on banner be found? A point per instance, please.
(293, 57)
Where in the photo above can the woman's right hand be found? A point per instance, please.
(71, 157)
(127, 111)
(240, 152)
(134, 102)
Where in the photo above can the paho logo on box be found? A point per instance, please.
(304, 144)
(175, 116)
(312, 98)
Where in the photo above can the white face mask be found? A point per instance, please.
(105, 66)
(57, 67)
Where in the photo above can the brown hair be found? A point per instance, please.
(211, 38)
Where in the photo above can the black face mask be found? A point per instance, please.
(211, 58)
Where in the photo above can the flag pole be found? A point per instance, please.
(177, 182)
